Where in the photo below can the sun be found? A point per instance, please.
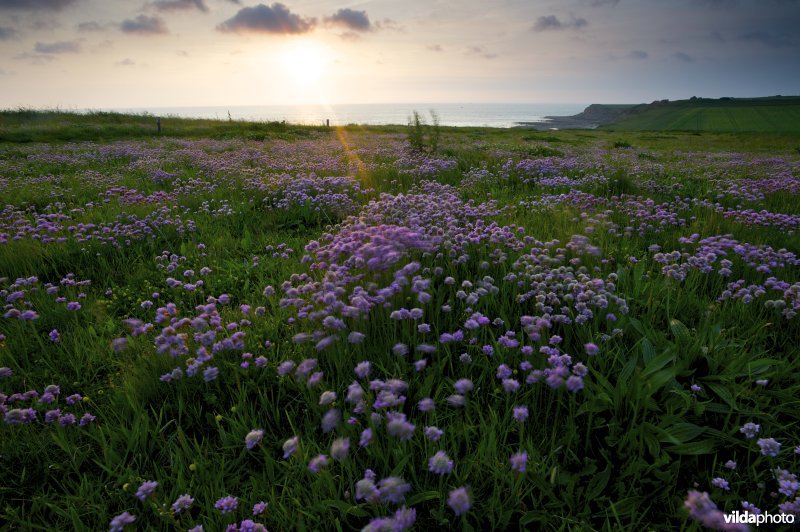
(305, 62)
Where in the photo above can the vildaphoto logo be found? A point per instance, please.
(766, 518)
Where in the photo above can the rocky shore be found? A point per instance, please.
(590, 118)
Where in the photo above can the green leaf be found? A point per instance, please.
(648, 351)
(658, 362)
(681, 433)
(693, 448)
(723, 393)
(679, 330)
(598, 484)
(422, 497)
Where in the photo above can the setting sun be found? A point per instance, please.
(305, 62)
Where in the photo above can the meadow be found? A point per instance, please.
(239, 327)
(768, 115)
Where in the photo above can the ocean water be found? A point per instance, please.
(501, 115)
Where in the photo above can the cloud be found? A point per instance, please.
(638, 54)
(602, 3)
(7, 33)
(34, 59)
(267, 19)
(769, 39)
(389, 24)
(351, 19)
(686, 58)
(717, 4)
(477, 50)
(179, 5)
(144, 25)
(435, 48)
(552, 22)
(36, 5)
(60, 47)
(125, 62)
(87, 27)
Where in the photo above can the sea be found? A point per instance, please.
(500, 115)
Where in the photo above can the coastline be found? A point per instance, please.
(592, 117)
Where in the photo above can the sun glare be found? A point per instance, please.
(305, 62)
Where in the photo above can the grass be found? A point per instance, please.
(770, 115)
(619, 454)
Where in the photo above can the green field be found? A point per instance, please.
(248, 326)
(779, 114)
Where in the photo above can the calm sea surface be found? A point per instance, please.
(450, 114)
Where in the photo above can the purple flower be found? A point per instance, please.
(404, 518)
(456, 400)
(182, 503)
(400, 349)
(73, 305)
(20, 416)
(440, 463)
(463, 386)
(72, 399)
(146, 489)
(86, 419)
(286, 367)
(362, 370)
(520, 413)
(355, 337)
(339, 448)
(519, 461)
(730, 464)
(433, 433)
(510, 385)
(769, 446)
(54, 336)
(366, 437)
(5, 373)
(118, 523)
(259, 508)
(227, 504)
(318, 463)
(574, 383)
(459, 500)
(327, 397)
(331, 419)
(393, 489)
(750, 430)
(210, 373)
(721, 483)
(67, 420)
(366, 490)
(51, 416)
(253, 438)
(419, 365)
(488, 350)
(398, 426)
(426, 405)
(591, 349)
(290, 446)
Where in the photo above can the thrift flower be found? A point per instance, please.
(459, 500)
(146, 489)
(253, 438)
(519, 461)
(290, 446)
(182, 503)
(118, 523)
(440, 463)
(227, 504)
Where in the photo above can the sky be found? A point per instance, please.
(164, 53)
